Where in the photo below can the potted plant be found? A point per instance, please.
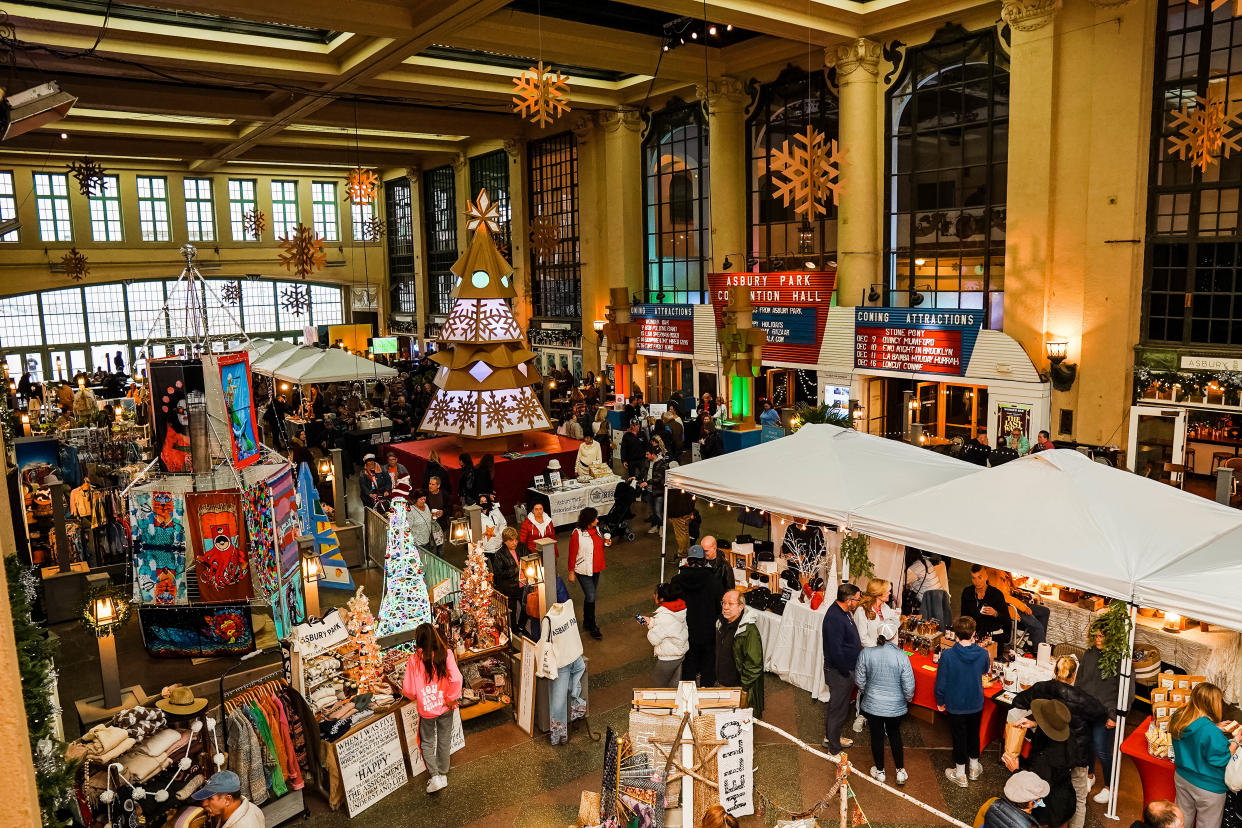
(1114, 624)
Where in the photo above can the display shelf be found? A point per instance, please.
(481, 709)
(472, 655)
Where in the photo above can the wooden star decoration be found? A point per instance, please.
(302, 253)
(483, 211)
(360, 186)
(544, 237)
(76, 266)
(254, 223)
(373, 229)
(89, 175)
(540, 95)
(811, 173)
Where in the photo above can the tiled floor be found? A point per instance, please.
(505, 778)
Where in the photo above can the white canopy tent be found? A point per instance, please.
(275, 358)
(820, 472)
(330, 365)
(263, 347)
(1204, 583)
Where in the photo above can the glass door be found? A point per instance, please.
(1157, 436)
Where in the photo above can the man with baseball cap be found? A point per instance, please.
(221, 798)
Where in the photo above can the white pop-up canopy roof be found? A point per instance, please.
(263, 347)
(1204, 583)
(820, 472)
(331, 365)
(1059, 516)
(276, 357)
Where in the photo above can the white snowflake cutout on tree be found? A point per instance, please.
(495, 410)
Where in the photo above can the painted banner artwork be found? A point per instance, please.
(288, 605)
(315, 522)
(218, 544)
(239, 403)
(197, 632)
(257, 509)
(157, 520)
(285, 521)
(176, 384)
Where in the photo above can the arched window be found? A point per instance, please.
(675, 203)
(785, 108)
(948, 138)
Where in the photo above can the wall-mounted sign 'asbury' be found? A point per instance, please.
(791, 308)
(915, 341)
(664, 329)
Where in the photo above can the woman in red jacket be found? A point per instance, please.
(586, 563)
(537, 526)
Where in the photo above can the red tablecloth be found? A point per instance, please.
(511, 477)
(1155, 774)
(992, 724)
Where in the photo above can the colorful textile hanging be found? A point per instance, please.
(197, 632)
(315, 522)
(256, 502)
(218, 544)
(285, 514)
(157, 520)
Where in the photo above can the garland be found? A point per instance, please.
(855, 556)
(1114, 624)
(53, 775)
(1187, 383)
(120, 604)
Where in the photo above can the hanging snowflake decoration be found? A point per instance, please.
(254, 223)
(1216, 4)
(811, 173)
(373, 229)
(360, 186)
(544, 237)
(295, 299)
(76, 266)
(1203, 132)
(89, 175)
(302, 254)
(483, 211)
(231, 293)
(540, 95)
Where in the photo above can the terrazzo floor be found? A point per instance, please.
(505, 778)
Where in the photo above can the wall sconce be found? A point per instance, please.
(598, 325)
(857, 410)
(727, 264)
(1060, 373)
(873, 293)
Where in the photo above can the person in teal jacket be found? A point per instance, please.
(1201, 750)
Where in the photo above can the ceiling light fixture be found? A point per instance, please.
(711, 31)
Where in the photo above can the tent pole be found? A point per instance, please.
(663, 533)
(1119, 731)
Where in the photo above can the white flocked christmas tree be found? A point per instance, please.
(405, 604)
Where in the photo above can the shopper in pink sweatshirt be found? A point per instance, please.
(433, 682)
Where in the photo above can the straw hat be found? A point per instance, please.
(181, 701)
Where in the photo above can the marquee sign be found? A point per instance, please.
(934, 341)
(664, 329)
(791, 307)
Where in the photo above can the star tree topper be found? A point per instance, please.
(811, 173)
(540, 95)
(483, 211)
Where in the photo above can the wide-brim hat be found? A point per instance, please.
(554, 463)
(1053, 718)
(181, 701)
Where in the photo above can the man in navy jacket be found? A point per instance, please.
(841, 649)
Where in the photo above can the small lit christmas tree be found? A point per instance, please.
(405, 604)
(360, 623)
(476, 597)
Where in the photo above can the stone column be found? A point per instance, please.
(727, 158)
(620, 199)
(858, 225)
(594, 285)
(418, 223)
(519, 227)
(461, 183)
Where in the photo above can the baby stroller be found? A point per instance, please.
(616, 522)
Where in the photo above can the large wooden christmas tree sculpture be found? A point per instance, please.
(486, 370)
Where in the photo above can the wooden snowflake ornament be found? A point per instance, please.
(373, 229)
(540, 95)
(544, 238)
(76, 266)
(231, 293)
(808, 174)
(295, 299)
(483, 211)
(1203, 132)
(254, 223)
(360, 186)
(89, 175)
(302, 254)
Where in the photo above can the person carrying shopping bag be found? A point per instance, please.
(561, 662)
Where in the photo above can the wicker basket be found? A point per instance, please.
(1146, 665)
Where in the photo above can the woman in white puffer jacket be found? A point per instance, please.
(667, 632)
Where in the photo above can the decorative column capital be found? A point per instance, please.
(513, 148)
(722, 93)
(582, 127)
(413, 173)
(1029, 15)
(616, 120)
(461, 163)
(853, 57)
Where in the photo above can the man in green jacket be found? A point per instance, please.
(739, 650)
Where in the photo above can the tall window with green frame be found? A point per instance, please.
(8, 204)
(779, 237)
(153, 209)
(242, 200)
(1193, 281)
(200, 209)
(324, 210)
(675, 189)
(52, 204)
(105, 205)
(948, 153)
(284, 208)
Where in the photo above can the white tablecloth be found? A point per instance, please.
(565, 504)
(793, 646)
